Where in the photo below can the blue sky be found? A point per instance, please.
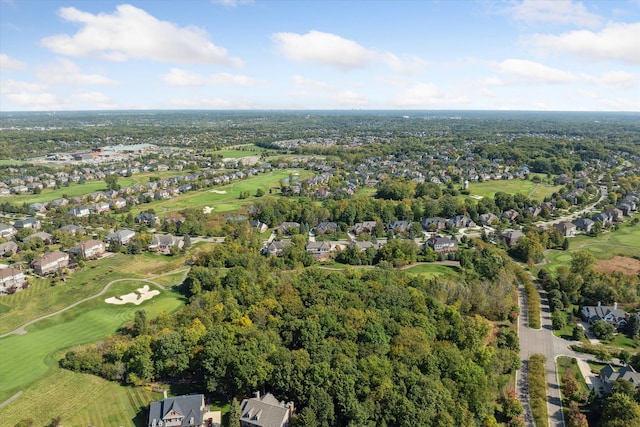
(331, 54)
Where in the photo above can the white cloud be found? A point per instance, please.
(317, 47)
(615, 80)
(131, 32)
(15, 87)
(31, 96)
(534, 72)
(302, 82)
(94, 100)
(555, 11)
(66, 71)
(8, 63)
(320, 48)
(617, 41)
(427, 95)
(179, 77)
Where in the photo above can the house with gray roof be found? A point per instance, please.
(511, 237)
(9, 247)
(7, 231)
(33, 223)
(179, 411)
(608, 376)
(11, 279)
(162, 243)
(610, 314)
(442, 244)
(122, 236)
(319, 250)
(584, 224)
(265, 411)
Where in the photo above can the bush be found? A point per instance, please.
(538, 389)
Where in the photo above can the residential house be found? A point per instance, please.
(162, 243)
(11, 279)
(399, 226)
(46, 237)
(38, 207)
(510, 214)
(319, 250)
(364, 227)
(118, 203)
(100, 207)
(602, 217)
(50, 262)
(488, 218)
(610, 314)
(460, 221)
(73, 229)
(33, 223)
(259, 225)
(60, 202)
(289, 228)
(265, 411)
(151, 220)
(326, 228)
(511, 237)
(181, 411)
(174, 218)
(8, 248)
(7, 231)
(442, 244)
(566, 228)
(276, 247)
(608, 377)
(584, 224)
(88, 249)
(615, 214)
(627, 207)
(364, 245)
(122, 236)
(433, 224)
(79, 211)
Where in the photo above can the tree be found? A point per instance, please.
(234, 414)
(578, 333)
(187, 241)
(602, 330)
(27, 422)
(576, 418)
(259, 192)
(582, 262)
(570, 385)
(565, 244)
(140, 323)
(112, 182)
(55, 421)
(620, 410)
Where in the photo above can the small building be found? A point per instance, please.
(488, 218)
(433, 224)
(289, 228)
(399, 226)
(79, 211)
(7, 231)
(162, 243)
(182, 411)
(151, 220)
(88, 249)
(46, 237)
(122, 236)
(566, 228)
(511, 237)
(51, 262)
(584, 224)
(610, 314)
(364, 227)
(73, 229)
(608, 376)
(33, 223)
(265, 411)
(11, 279)
(276, 248)
(319, 250)
(8, 248)
(259, 225)
(442, 244)
(460, 221)
(326, 228)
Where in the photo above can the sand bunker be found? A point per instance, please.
(218, 191)
(136, 298)
(207, 209)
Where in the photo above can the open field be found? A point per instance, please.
(73, 190)
(432, 270)
(239, 151)
(513, 186)
(624, 242)
(229, 201)
(81, 400)
(28, 358)
(625, 265)
(41, 298)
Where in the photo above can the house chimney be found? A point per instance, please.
(615, 305)
(598, 303)
(257, 394)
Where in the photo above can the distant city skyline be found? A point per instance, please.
(559, 55)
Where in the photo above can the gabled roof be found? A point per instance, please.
(188, 407)
(265, 411)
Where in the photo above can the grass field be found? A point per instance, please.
(240, 151)
(624, 242)
(28, 358)
(41, 298)
(81, 400)
(513, 186)
(229, 201)
(432, 270)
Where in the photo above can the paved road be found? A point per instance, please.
(542, 341)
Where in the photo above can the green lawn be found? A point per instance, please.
(624, 242)
(513, 186)
(28, 358)
(432, 270)
(240, 151)
(565, 363)
(81, 400)
(223, 199)
(41, 298)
